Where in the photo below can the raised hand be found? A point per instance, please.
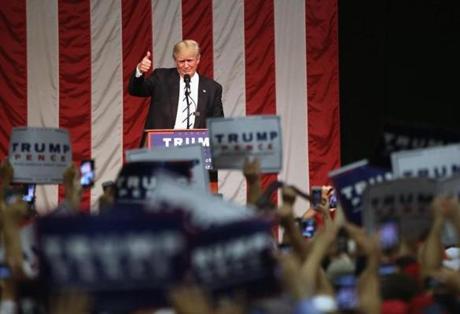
(146, 63)
(251, 172)
(72, 187)
(6, 172)
(189, 300)
(6, 177)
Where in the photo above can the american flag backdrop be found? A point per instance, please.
(66, 63)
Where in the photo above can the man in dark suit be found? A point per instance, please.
(169, 108)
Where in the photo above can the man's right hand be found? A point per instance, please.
(146, 63)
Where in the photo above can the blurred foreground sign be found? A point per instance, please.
(406, 201)
(193, 152)
(137, 181)
(122, 261)
(235, 257)
(203, 209)
(39, 155)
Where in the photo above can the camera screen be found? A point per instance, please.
(5, 272)
(87, 173)
(387, 269)
(308, 228)
(389, 234)
(332, 200)
(315, 194)
(346, 296)
(29, 193)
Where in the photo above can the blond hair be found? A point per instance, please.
(186, 44)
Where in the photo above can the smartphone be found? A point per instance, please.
(387, 269)
(5, 272)
(345, 292)
(332, 199)
(316, 194)
(432, 283)
(308, 228)
(87, 175)
(285, 248)
(29, 193)
(341, 241)
(389, 234)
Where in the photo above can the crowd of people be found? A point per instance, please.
(337, 268)
(323, 262)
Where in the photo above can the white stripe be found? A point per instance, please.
(107, 96)
(229, 71)
(167, 30)
(42, 78)
(291, 93)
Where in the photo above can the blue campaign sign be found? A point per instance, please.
(236, 256)
(351, 181)
(174, 138)
(398, 137)
(122, 261)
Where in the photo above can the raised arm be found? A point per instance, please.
(287, 220)
(368, 286)
(139, 85)
(251, 172)
(72, 192)
(432, 252)
(12, 213)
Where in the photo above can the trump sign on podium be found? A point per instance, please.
(232, 140)
(180, 138)
(39, 155)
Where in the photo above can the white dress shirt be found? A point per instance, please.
(181, 117)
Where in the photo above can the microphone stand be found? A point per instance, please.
(187, 99)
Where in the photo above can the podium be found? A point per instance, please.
(178, 137)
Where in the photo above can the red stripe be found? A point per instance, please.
(75, 78)
(259, 36)
(136, 41)
(197, 25)
(323, 89)
(13, 70)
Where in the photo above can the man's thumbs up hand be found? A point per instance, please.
(145, 64)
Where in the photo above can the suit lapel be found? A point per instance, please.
(201, 106)
(173, 82)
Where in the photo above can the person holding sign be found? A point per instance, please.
(180, 97)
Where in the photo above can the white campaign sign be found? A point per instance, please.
(200, 177)
(39, 155)
(232, 140)
(435, 162)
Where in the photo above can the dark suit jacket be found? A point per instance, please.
(163, 88)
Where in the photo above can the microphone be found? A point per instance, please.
(187, 80)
